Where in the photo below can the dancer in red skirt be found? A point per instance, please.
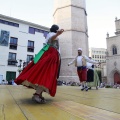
(41, 74)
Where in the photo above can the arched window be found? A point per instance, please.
(114, 50)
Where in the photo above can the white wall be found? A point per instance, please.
(23, 36)
(1, 78)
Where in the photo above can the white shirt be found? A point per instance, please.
(49, 35)
(79, 60)
(89, 65)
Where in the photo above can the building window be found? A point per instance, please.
(45, 34)
(33, 30)
(13, 43)
(114, 50)
(12, 59)
(30, 47)
(38, 30)
(29, 58)
(9, 23)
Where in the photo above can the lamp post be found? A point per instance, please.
(19, 66)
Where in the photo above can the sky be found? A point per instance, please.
(101, 16)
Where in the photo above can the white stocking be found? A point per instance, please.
(39, 90)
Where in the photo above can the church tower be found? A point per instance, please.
(72, 17)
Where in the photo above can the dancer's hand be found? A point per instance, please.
(60, 31)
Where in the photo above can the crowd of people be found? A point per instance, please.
(10, 82)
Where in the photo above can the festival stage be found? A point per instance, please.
(70, 103)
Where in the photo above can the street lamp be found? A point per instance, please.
(20, 66)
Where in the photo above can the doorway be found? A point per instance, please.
(117, 78)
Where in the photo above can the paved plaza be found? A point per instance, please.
(70, 103)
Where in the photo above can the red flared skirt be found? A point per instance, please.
(43, 73)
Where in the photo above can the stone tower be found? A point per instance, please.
(72, 17)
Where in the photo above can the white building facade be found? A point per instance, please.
(113, 56)
(19, 42)
(98, 54)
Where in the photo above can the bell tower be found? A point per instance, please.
(72, 17)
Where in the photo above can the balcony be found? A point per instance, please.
(12, 62)
(30, 49)
(13, 46)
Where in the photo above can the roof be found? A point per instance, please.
(24, 22)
